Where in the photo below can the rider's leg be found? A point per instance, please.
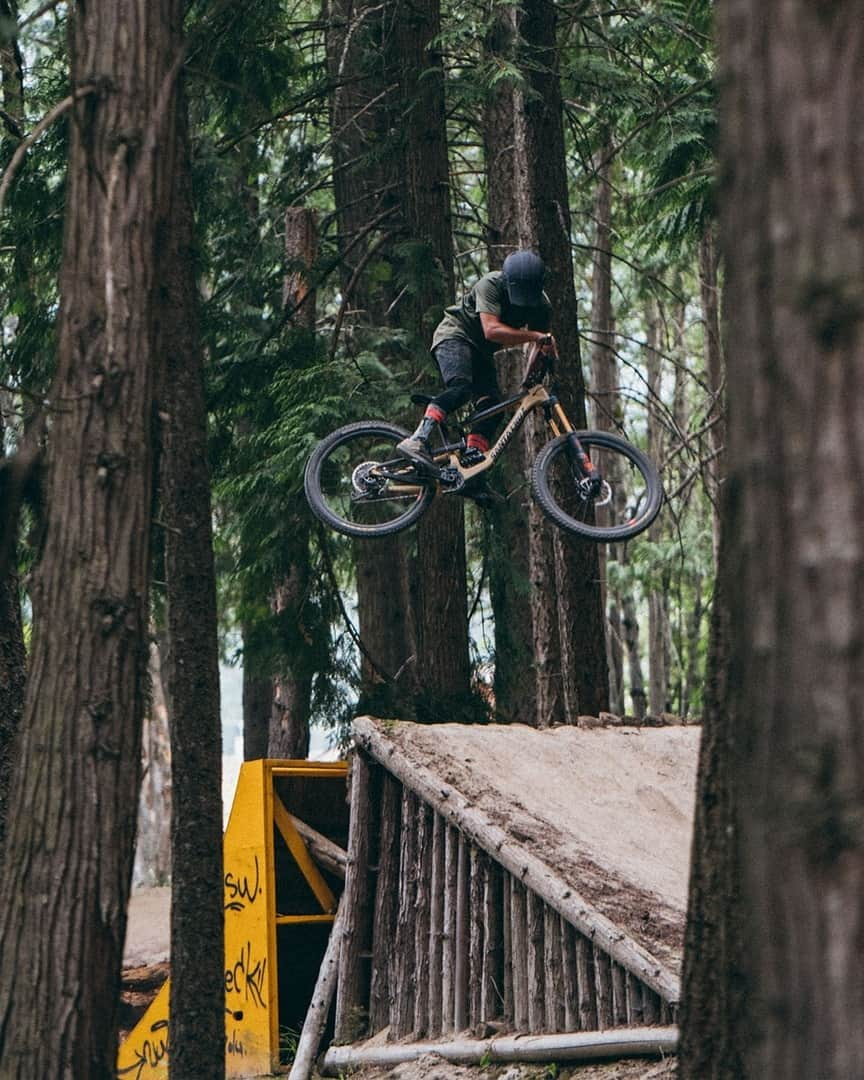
(486, 396)
(454, 358)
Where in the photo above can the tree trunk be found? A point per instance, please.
(716, 368)
(606, 397)
(439, 582)
(292, 684)
(793, 244)
(509, 569)
(658, 673)
(76, 781)
(257, 703)
(545, 222)
(712, 1002)
(13, 673)
(360, 109)
(13, 659)
(630, 626)
(197, 972)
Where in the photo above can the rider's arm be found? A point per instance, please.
(501, 334)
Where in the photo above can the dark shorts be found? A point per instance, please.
(459, 361)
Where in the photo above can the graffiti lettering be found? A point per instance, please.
(238, 889)
(150, 1053)
(247, 977)
(233, 1045)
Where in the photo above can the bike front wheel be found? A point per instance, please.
(356, 483)
(627, 501)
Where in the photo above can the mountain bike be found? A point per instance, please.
(590, 483)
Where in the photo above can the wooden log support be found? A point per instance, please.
(520, 861)
(586, 977)
(569, 976)
(386, 903)
(492, 973)
(436, 927)
(650, 1007)
(462, 936)
(536, 971)
(475, 935)
(620, 996)
(603, 988)
(635, 1006)
(422, 918)
(507, 959)
(402, 983)
(448, 950)
(553, 964)
(327, 854)
(352, 994)
(519, 947)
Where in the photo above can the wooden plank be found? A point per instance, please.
(301, 856)
(386, 903)
(520, 861)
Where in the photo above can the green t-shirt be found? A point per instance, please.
(489, 295)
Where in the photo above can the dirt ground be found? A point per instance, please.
(434, 1068)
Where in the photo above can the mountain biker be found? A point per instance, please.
(506, 307)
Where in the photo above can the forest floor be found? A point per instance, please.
(610, 808)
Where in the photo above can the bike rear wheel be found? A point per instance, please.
(630, 497)
(357, 484)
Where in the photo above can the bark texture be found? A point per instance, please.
(292, 683)
(197, 972)
(579, 619)
(509, 570)
(793, 245)
(77, 775)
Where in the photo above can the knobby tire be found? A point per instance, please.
(610, 446)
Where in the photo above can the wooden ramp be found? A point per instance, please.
(513, 880)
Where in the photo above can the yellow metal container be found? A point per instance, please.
(279, 906)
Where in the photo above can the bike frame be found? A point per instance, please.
(525, 402)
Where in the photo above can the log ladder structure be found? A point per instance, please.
(450, 925)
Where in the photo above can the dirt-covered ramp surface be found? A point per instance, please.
(611, 809)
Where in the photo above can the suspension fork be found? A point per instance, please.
(559, 424)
